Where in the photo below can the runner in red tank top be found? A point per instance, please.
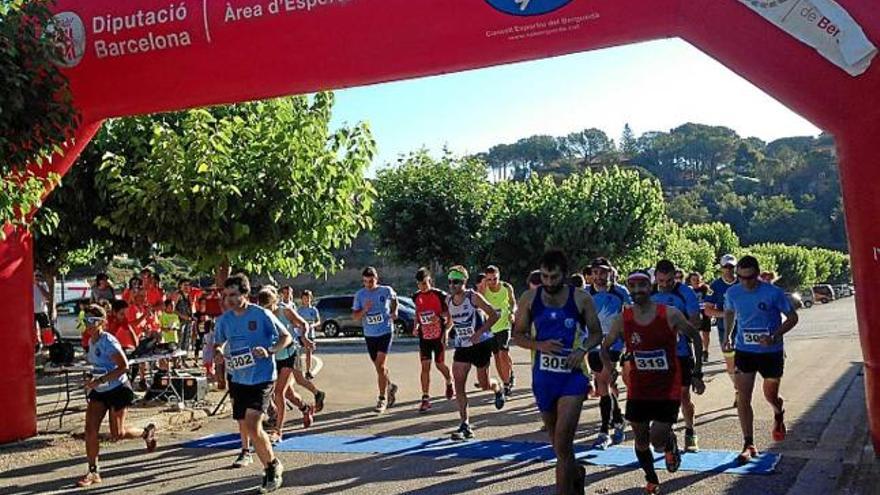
(431, 330)
(650, 332)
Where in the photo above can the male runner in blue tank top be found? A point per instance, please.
(560, 378)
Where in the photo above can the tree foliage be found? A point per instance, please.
(431, 211)
(36, 114)
(263, 185)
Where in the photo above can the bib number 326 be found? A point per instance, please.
(651, 360)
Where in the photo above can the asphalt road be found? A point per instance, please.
(822, 370)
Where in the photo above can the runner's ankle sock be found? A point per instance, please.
(616, 415)
(381, 397)
(304, 408)
(671, 442)
(646, 461)
(748, 441)
(425, 397)
(689, 432)
(605, 412)
(93, 468)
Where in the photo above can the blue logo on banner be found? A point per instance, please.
(527, 7)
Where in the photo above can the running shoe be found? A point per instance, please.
(464, 432)
(425, 405)
(450, 392)
(652, 488)
(499, 400)
(381, 405)
(245, 458)
(602, 441)
(673, 459)
(748, 453)
(779, 424)
(149, 437)
(392, 395)
(308, 416)
(691, 443)
(91, 478)
(273, 478)
(507, 390)
(619, 434)
(319, 401)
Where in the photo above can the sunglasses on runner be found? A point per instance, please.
(93, 320)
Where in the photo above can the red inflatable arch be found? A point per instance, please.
(144, 56)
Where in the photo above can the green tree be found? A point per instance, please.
(795, 266)
(263, 185)
(36, 114)
(719, 235)
(628, 146)
(691, 253)
(431, 211)
(587, 145)
(614, 213)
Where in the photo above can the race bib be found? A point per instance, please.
(651, 360)
(240, 359)
(753, 336)
(553, 363)
(376, 319)
(426, 318)
(463, 336)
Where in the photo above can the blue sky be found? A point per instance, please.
(652, 86)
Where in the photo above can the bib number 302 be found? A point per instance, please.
(554, 364)
(241, 360)
(754, 336)
(651, 360)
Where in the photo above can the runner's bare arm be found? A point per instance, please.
(677, 321)
(711, 310)
(491, 314)
(614, 333)
(588, 313)
(394, 306)
(522, 321)
(791, 319)
(511, 301)
(294, 317)
(729, 324)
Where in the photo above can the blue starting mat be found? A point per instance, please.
(440, 448)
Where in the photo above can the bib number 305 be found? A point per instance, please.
(554, 364)
(651, 360)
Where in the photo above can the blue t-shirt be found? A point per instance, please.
(101, 358)
(758, 313)
(684, 299)
(609, 304)
(257, 327)
(717, 289)
(312, 316)
(377, 322)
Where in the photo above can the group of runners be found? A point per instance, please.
(582, 332)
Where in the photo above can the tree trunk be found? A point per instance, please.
(50, 274)
(222, 273)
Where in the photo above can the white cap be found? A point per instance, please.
(728, 259)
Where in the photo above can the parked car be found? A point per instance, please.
(337, 319)
(843, 290)
(823, 293)
(806, 297)
(795, 299)
(65, 323)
